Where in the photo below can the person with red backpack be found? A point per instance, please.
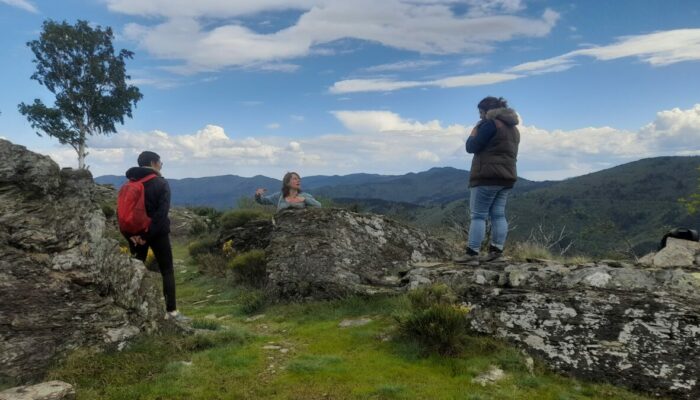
(142, 212)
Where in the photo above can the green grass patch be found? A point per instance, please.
(321, 360)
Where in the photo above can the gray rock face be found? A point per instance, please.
(332, 253)
(677, 253)
(63, 284)
(634, 327)
(53, 390)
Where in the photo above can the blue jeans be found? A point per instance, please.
(488, 202)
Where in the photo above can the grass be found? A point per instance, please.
(298, 351)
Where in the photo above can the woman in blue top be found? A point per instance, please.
(291, 195)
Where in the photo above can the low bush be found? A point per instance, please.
(108, 210)
(213, 264)
(236, 218)
(250, 268)
(198, 228)
(202, 246)
(435, 321)
(253, 302)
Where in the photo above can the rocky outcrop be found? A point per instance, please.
(63, 284)
(53, 390)
(676, 253)
(629, 326)
(607, 321)
(332, 253)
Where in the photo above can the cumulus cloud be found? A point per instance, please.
(423, 26)
(23, 4)
(560, 154)
(386, 142)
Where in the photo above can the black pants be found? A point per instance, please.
(164, 256)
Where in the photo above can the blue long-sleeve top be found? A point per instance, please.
(278, 199)
(486, 129)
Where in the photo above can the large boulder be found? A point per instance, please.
(628, 326)
(676, 253)
(63, 283)
(332, 253)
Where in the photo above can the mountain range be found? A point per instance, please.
(626, 208)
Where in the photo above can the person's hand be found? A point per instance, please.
(260, 192)
(474, 131)
(137, 240)
(295, 199)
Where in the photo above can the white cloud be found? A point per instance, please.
(23, 4)
(426, 155)
(297, 118)
(403, 66)
(657, 49)
(273, 125)
(428, 27)
(471, 61)
(386, 85)
(385, 142)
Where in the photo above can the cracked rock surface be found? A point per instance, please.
(63, 283)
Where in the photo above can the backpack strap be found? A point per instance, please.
(147, 178)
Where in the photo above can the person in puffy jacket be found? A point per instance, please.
(494, 142)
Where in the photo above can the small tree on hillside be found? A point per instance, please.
(77, 63)
(692, 202)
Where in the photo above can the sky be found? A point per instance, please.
(262, 87)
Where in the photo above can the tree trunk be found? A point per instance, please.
(81, 151)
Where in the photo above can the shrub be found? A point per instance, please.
(202, 246)
(108, 211)
(435, 321)
(253, 302)
(250, 268)
(234, 219)
(198, 228)
(212, 264)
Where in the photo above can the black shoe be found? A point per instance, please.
(470, 258)
(494, 254)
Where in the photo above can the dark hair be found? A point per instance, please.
(489, 103)
(285, 182)
(147, 157)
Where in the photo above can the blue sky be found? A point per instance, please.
(335, 87)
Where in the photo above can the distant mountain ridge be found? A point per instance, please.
(627, 206)
(435, 186)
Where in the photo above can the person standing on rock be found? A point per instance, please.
(291, 195)
(494, 142)
(156, 196)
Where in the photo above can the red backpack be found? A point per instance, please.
(131, 207)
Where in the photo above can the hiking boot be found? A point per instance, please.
(469, 258)
(177, 317)
(494, 254)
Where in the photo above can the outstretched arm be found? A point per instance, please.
(272, 199)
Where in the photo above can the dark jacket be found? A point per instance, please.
(495, 149)
(157, 199)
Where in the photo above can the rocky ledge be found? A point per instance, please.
(63, 283)
(631, 325)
